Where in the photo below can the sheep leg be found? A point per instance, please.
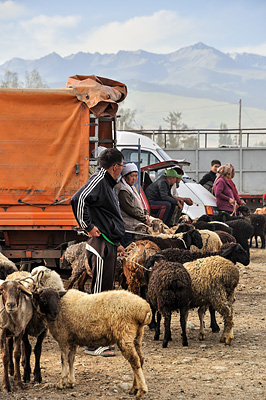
(201, 313)
(152, 325)
(214, 326)
(256, 240)
(157, 328)
(17, 356)
(37, 353)
(262, 238)
(10, 345)
(183, 323)
(130, 353)
(62, 383)
(71, 359)
(5, 358)
(226, 310)
(167, 329)
(26, 353)
(82, 280)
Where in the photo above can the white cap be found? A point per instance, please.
(130, 167)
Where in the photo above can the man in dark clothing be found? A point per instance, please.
(160, 198)
(97, 211)
(208, 179)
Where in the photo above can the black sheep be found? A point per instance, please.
(189, 238)
(169, 290)
(242, 231)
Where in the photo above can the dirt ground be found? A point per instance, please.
(203, 370)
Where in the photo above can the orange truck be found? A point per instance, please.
(46, 141)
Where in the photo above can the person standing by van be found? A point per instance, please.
(223, 192)
(208, 179)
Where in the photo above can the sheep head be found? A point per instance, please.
(11, 292)
(236, 253)
(46, 301)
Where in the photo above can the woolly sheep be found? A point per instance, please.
(232, 251)
(6, 267)
(133, 261)
(102, 319)
(169, 289)
(226, 237)
(183, 241)
(45, 277)
(76, 255)
(242, 231)
(211, 241)
(214, 280)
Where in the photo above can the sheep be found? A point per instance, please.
(76, 255)
(231, 251)
(16, 312)
(102, 319)
(45, 277)
(211, 241)
(39, 277)
(169, 289)
(212, 226)
(226, 237)
(242, 231)
(6, 267)
(37, 327)
(258, 221)
(136, 255)
(192, 237)
(214, 280)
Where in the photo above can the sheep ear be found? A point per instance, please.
(61, 293)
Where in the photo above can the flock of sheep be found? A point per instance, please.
(192, 265)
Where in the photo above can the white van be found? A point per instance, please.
(150, 153)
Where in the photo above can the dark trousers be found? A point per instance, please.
(102, 257)
(163, 210)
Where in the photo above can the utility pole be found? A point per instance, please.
(239, 124)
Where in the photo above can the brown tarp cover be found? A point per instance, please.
(100, 94)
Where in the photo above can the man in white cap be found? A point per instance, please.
(130, 203)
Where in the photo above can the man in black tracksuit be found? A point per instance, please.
(97, 211)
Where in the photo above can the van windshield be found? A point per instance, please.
(163, 154)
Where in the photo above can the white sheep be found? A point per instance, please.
(214, 280)
(45, 277)
(211, 241)
(102, 319)
(6, 266)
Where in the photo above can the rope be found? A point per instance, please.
(234, 211)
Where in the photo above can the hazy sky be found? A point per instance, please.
(31, 29)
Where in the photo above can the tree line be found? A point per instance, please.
(32, 80)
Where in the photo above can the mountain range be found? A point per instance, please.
(197, 72)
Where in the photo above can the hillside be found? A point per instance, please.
(202, 82)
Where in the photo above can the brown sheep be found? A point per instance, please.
(136, 255)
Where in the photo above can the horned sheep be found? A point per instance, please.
(102, 319)
(16, 312)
